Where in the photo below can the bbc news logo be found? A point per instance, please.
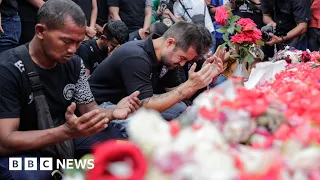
(46, 164)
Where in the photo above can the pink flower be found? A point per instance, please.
(221, 16)
(247, 24)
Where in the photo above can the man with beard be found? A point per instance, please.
(141, 65)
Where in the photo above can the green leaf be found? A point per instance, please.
(238, 28)
(222, 30)
(235, 18)
(223, 45)
(230, 44)
(314, 66)
(249, 59)
(228, 8)
(231, 29)
(260, 43)
(319, 60)
(225, 37)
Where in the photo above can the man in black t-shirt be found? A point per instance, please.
(93, 52)
(248, 9)
(28, 14)
(135, 14)
(290, 20)
(140, 65)
(64, 81)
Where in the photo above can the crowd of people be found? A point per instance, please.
(73, 71)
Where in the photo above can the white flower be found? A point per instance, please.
(307, 159)
(256, 161)
(189, 137)
(239, 127)
(148, 129)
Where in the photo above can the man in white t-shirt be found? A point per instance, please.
(194, 7)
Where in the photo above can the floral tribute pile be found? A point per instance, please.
(271, 132)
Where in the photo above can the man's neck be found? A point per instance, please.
(38, 56)
(100, 46)
(157, 45)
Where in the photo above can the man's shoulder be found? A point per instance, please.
(132, 49)
(87, 45)
(11, 61)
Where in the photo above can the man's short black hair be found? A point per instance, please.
(117, 30)
(158, 28)
(189, 34)
(53, 14)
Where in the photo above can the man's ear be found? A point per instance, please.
(40, 30)
(170, 42)
(103, 38)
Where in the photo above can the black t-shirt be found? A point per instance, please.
(103, 12)
(91, 55)
(8, 8)
(133, 66)
(134, 36)
(131, 12)
(86, 6)
(63, 84)
(27, 12)
(248, 10)
(288, 13)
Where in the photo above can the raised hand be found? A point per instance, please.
(202, 78)
(86, 125)
(219, 54)
(127, 106)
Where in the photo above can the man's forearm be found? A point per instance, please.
(147, 18)
(36, 3)
(165, 101)
(267, 19)
(297, 31)
(94, 13)
(23, 141)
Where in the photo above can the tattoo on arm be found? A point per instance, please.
(162, 96)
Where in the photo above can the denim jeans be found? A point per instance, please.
(170, 114)
(220, 80)
(12, 31)
(82, 146)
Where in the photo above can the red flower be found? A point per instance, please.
(247, 37)
(109, 152)
(221, 16)
(247, 24)
(241, 38)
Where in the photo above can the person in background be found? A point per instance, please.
(93, 52)
(314, 27)
(103, 13)
(157, 28)
(248, 9)
(90, 9)
(290, 21)
(28, 16)
(10, 26)
(185, 10)
(135, 14)
(212, 5)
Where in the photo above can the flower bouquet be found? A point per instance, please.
(241, 35)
